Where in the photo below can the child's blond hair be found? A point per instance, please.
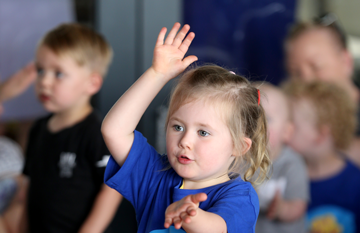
(81, 43)
(332, 105)
(244, 116)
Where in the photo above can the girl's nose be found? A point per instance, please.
(185, 141)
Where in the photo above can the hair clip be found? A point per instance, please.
(232, 72)
(258, 91)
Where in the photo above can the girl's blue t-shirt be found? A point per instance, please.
(147, 181)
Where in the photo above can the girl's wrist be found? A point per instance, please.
(158, 75)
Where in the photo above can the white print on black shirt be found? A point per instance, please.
(67, 164)
(103, 162)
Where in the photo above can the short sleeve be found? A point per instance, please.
(239, 208)
(98, 154)
(142, 170)
(297, 186)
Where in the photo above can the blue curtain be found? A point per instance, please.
(243, 35)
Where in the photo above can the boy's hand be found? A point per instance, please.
(181, 211)
(275, 206)
(168, 60)
(17, 83)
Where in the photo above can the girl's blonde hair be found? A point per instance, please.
(244, 118)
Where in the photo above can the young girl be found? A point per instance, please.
(214, 123)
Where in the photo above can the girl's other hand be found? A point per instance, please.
(168, 60)
(181, 211)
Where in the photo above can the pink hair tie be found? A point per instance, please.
(258, 91)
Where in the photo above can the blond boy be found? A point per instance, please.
(283, 198)
(66, 155)
(324, 119)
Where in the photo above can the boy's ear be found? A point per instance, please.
(246, 146)
(95, 83)
(324, 134)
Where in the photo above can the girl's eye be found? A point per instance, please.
(40, 72)
(203, 133)
(178, 128)
(59, 74)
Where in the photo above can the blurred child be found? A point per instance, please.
(66, 155)
(215, 122)
(283, 198)
(324, 118)
(12, 183)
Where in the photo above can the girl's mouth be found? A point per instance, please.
(183, 159)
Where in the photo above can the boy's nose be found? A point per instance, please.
(44, 80)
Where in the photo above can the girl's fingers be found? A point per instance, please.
(191, 211)
(161, 36)
(177, 222)
(181, 35)
(189, 59)
(185, 217)
(184, 46)
(168, 222)
(170, 38)
(199, 197)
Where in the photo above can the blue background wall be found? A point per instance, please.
(245, 35)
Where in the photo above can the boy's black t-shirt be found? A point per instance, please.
(66, 172)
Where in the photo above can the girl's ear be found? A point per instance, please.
(246, 147)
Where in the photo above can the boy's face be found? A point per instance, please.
(199, 144)
(61, 84)
(277, 116)
(306, 132)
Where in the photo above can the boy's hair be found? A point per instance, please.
(243, 116)
(326, 22)
(81, 43)
(332, 105)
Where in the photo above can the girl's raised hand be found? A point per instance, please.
(168, 60)
(180, 212)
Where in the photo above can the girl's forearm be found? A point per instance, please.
(121, 121)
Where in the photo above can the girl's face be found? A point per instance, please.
(199, 144)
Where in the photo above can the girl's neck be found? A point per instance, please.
(199, 184)
(327, 166)
(65, 119)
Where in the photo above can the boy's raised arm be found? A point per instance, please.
(168, 62)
